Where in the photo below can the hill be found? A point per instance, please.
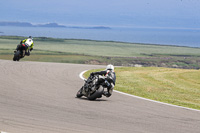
(54, 25)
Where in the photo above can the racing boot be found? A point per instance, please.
(107, 94)
(27, 53)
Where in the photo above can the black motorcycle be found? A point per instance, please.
(20, 53)
(92, 89)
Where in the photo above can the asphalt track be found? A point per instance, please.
(39, 97)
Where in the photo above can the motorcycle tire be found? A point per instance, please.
(79, 93)
(16, 56)
(97, 94)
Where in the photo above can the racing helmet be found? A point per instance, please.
(30, 37)
(110, 67)
(28, 42)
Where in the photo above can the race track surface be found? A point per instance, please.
(39, 97)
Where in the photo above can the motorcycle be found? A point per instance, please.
(91, 89)
(20, 53)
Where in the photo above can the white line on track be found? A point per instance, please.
(81, 76)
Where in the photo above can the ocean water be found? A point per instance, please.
(179, 37)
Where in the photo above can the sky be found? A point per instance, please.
(113, 13)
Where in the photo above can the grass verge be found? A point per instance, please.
(175, 86)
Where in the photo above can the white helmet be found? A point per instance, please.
(110, 67)
(29, 42)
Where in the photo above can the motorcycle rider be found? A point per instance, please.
(27, 43)
(110, 76)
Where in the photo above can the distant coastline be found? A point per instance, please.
(178, 37)
(53, 25)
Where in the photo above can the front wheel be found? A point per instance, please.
(79, 93)
(16, 56)
(14, 59)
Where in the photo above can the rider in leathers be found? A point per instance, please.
(109, 76)
(29, 45)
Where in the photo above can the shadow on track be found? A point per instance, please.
(97, 100)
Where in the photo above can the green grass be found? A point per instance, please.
(100, 48)
(104, 52)
(175, 86)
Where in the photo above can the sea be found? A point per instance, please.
(161, 36)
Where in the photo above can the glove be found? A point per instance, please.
(31, 49)
(92, 74)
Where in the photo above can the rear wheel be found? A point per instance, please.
(97, 94)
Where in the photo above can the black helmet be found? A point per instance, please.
(30, 37)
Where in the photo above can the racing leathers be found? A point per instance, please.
(110, 77)
(27, 45)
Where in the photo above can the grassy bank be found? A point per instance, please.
(102, 52)
(175, 86)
